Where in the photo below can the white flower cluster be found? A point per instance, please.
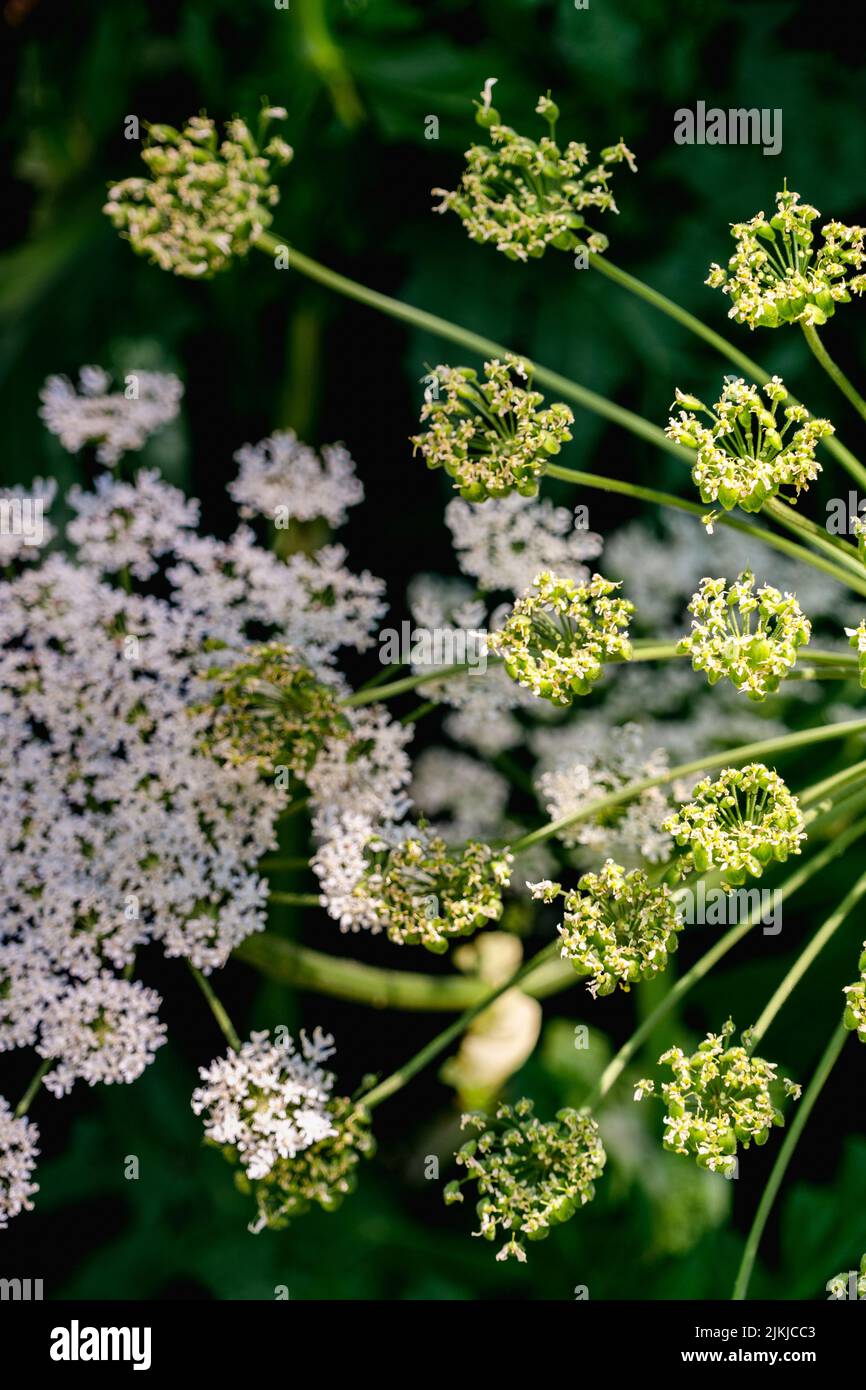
(115, 421)
(283, 479)
(268, 1101)
(126, 527)
(18, 1153)
(104, 1030)
(581, 764)
(508, 541)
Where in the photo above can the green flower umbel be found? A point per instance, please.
(855, 1002)
(205, 200)
(720, 1098)
(522, 196)
(850, 1284)
(559, 634)
(744, 452)
(776, 275)
(530, 1175)
(738, 824)
(751, 637)
(617, 928)
(268, 710)
(857, 639)
(490, 436)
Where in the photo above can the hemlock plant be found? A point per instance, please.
(169, 699)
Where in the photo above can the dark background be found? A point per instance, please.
(260, 350)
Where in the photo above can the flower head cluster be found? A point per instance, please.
(18, 1153)
(490, 436)
(23, 527)
(559, 634)
(102, 1031)
(617, 928)
(283, 479)
(530, 1174)
(776, 274)
(738, 824)
(268, 710)
(425, 893)
(522, 195)
(505, 543)
(855, 1001)
(750, 636)
(857, 640)
(127, 527)
(269, 1107)
(850, 1284)
(116, 422)
(746, 453)
(205, 200)
(720, 1097)
(579, 764)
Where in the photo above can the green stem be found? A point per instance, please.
(704, 965)
(835, 546)
(341, 978)
(831, 1054)
(26, 1100)
(843, 574)
(837, 376)
(398, 1079)
(721, 345)
(805, 960)
(296, 899)
(745, 752)
(223, 1021)
(486, 348)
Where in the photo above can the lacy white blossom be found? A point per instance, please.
(24, 531)
(27, 988)
(582, 763)
(117, 422)
(367, 772)
(129, 526)
(446, 782)
(270, 1107)
(283, 479)
(103, 1031)
(18, 1153)
(509, 540)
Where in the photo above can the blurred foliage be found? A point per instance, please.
(260, 350)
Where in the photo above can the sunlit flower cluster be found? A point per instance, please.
(115, 422)
(530, 1174)
(560, 633)
(19, 1139)
(270, 1108)
(522, 195)
(205, 200)
(490, 436)
(777, 275)
(750, 636)
(744, 451)
(285, 480)
(102, 1031)
(851, 1284)
(738, 824)
(855, 1001)
(617, 928)
(720, 1097)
